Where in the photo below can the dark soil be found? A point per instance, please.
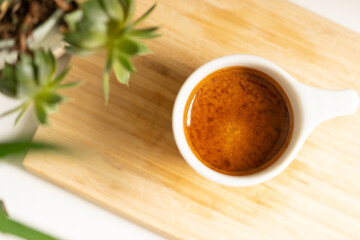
(18, 18)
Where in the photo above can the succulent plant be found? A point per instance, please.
(33, 80)
(107, 25)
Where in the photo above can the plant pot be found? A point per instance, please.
(46, 36)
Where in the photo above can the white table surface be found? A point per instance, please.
(62, 214)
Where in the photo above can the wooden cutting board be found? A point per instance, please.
(124, 157)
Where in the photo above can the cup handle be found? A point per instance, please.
(320, 105)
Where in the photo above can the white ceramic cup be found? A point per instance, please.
(311, 106)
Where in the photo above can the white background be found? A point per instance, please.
(56, 211)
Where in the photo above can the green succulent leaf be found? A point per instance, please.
(145, 33)
(70, 85)
(106, 83)
(81, 51)
(46, 69)
(25, 72)
(106, 86)
(11, 111)
(51, 98)
(25, 75)
(53, 63)
(130, 7)
(73, 17)
(59, 78)
(8, 81)
(7, 225)
(132, 47)
(94, 11)
(21, 146)
(127, 46)
(126, 62)
(142, 48)
(43, 70)
(40, 112)
(122, 74)
(146, 14)
(23, 109)
(114, 9)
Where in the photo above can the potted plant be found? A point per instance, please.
(36, 34)
(39, 32)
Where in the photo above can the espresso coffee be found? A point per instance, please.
(238, 121)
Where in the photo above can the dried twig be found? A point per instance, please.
(30, 20)
(62, 4)
(3, 8)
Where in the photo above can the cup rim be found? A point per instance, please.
(290, 86)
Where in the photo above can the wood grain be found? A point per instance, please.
(124, 157)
